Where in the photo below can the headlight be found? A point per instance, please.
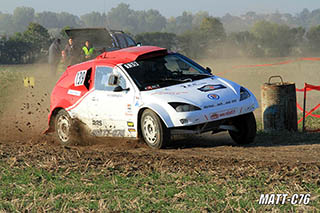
(244, 94)
(183, 107)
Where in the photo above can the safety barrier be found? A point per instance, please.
(307, 88)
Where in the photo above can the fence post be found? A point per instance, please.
(304, 106)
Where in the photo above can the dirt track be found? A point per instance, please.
(26, 118)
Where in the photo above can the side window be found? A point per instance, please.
(130, 42)
(122, 41)
(102, 77)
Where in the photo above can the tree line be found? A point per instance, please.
(140, 21)
(26, 35)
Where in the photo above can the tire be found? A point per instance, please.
(246, 124)
(154, 131)
(65, 129)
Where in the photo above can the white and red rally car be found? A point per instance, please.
(151, 93)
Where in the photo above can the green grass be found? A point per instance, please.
(311, 123)
(35, 189)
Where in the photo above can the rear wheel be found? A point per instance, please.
(247, 128)
(64, 128)
(154, 132)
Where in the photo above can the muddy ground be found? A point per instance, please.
(25, 118)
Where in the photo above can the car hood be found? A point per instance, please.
(202, 93)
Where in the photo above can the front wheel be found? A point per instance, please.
(154, 132)
(247, 128)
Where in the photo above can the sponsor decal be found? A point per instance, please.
(130, 124)
(213, 96)
(108, 132)
(97, 122)
(209, 106)
(80, 100)
(129, 107)
(156, 86)
(132, 130)
(80, 77)
(207, 88)
(247, 109)
(193, 84)
(114, 95)
(169, 93)
(74, 92)
(214, 116)
(219, 104)
(131, 65)
(222, 114)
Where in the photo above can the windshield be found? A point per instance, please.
(163, 71)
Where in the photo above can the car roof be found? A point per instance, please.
(122, 56)
(130, 54)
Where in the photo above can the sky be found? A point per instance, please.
(167, 8)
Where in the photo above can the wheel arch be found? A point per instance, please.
(163, 115)
(51, 119)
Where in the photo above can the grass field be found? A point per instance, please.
(67, 180)
(108, 188)
(38, 175)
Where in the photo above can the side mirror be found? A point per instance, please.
(120, 89)
(117, 89)
(113, 80)
(139, 44)
(209, 70)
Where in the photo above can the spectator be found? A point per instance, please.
(88, 50)
(71, 53)
(54, 55)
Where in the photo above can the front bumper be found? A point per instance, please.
(209, 115)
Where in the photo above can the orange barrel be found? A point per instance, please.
(278, 102)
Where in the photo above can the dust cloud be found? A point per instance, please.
(26, 109)
(297, 71)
